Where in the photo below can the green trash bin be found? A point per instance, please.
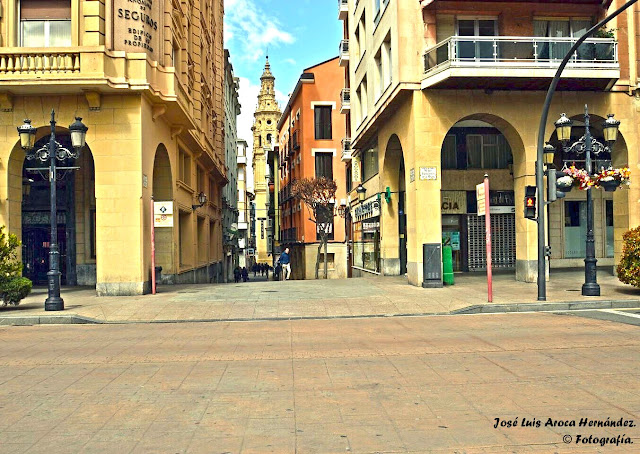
(447, 265)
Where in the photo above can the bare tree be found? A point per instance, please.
(318, 194)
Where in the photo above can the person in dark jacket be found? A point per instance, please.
(245, 274)
(236, 274)
(285, 261)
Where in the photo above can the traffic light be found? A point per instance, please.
(387, 195)
(553, 193)
(530, 202)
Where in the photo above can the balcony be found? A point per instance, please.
(343, 9)
(343, 52)
(520, 63)
(345, 100)
(346, 150)
(295, 140)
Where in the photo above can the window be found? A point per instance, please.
(487, 151)
(379, 76)
(324, 216)
(184, 167)
(348, 174)
(361, 34)
(45, 23)
(562, 28)
(386, 46)
(323, 122)
(473, 49)
(363, 99)
(324, 165)
(376, 10)
(608, 205)
(185, 238)
(449, 152)
(370, 162)
(200, 180)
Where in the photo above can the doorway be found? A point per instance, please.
(402, 220)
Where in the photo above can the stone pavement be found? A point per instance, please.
(372, 385)
(360, 297)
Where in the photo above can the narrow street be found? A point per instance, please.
(403, 384)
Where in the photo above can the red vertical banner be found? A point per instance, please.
(153, 249)
(487, 229)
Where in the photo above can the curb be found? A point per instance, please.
(73, 319)
(547, 307)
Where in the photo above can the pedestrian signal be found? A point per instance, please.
(530, 202)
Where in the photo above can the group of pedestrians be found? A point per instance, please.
(283, 266)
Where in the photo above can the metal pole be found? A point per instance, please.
(487, 232)
(542, 284)
(53, 301)
(590, 287)
(153, 250)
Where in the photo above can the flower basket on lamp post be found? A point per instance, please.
(565, 183)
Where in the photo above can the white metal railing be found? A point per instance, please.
(510, 50)
(344, 48)
(345, 98)
(39, 62)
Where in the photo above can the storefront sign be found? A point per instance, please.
(453, 202)
(480, 199)
(163, 214)
(368, 209)
(370, 226)
(136, 26)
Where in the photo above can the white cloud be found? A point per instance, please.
(248, 97)
(257, 30)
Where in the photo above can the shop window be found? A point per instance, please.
(92, 234)
(201, 251)
(370, 162)
(609, 228)
(575, 228)
(185, 238)
(322, 122)
(324, 165)
(45, 23)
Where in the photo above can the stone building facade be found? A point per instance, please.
(146, 77)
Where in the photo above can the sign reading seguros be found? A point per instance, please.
(136, 26)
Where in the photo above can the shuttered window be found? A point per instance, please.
(323, 122)
(45, 23)
(324, 165)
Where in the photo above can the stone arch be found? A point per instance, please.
(394, 219)
(163, 191)
(474, 145)
(611, 221)
(28, 212)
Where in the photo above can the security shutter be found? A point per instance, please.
(503, 242)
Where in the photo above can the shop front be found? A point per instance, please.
(366, 236)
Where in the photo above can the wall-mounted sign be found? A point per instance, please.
(355, 169)
(428, 173)
(163, 214)
(136, 26)
(368, 209)
(412, 175)
(453, 202)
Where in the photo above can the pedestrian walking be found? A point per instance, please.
(262, 269)
(254, 268)
(266, 270)
(245, 274)
(277, 270)
(285, 261)
(236, 274)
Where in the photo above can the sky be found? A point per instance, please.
(296, 33)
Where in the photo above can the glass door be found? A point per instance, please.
(575, 229)
(473, 49)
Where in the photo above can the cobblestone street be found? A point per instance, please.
(403, 384)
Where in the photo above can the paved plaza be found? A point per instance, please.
(361, 297)
(369, 385)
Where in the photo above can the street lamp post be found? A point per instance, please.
(53, 152)
(588, 145)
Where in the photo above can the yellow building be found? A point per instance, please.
(146, 77)
(442, 92)
(265, 135)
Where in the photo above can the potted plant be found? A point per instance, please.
(580, 177)
(565, 183)
(604, 51)
(610, 178)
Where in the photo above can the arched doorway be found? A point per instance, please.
(475, 146)
(163, 192)
(76, 213)
(567, 220)
(393, 209)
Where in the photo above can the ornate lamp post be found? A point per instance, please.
(53, 152)
(588, 145)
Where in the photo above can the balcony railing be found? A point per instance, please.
(40, 62)
(343, 9)
(343, 52)
(508, 51)
(345, 100)
(346, 149)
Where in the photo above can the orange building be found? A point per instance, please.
(310, 134)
